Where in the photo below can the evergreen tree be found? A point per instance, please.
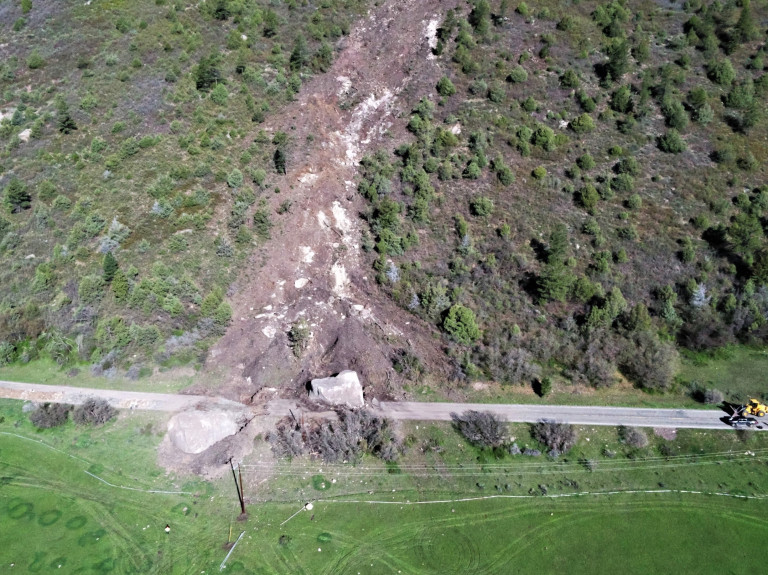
(207, 73)
(556, 280)
(120, 285)
(110, 267)
(746, 29)
(479, 17)
(618, 59)
(279, 159)
(300, 55)
(17, 197)
(65, 123)
(323, 58)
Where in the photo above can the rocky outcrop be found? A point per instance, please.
(344, 389)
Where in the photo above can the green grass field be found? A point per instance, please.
(45, 370)
(54, 513)
(740, 372)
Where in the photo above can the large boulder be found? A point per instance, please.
(195, 431)
(344, 389)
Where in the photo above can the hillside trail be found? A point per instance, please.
(312, 269)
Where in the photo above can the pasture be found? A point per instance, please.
(93, 501)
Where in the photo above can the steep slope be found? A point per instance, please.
(312, 270)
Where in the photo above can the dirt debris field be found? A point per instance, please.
(313, 269)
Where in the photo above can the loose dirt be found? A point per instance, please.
(313, 269)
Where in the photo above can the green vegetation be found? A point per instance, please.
(42, 501)
(639, 185)
(137, 114)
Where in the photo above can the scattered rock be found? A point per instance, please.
(344, 389)
(195, 431)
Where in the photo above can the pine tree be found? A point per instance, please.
(479, 17)
(17, 197)
(300, 55)
(65, 122)
(618, 60)
(556, 280)
(746, 29)
(279, 158)
(120, 285)
(110, 267)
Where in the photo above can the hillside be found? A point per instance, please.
(424, 191)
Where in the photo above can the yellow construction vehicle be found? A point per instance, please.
(754, 407)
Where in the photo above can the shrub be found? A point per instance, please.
(496, 93)
(35, 61)
(356, 432)
(93, 412)
(713, 397)
(652, 362)
(262, 224)
(544, 137)
(621, 100)
(634, 202)
(671, 142)
(633, 436)
(298, 336)
(585, 162)
(461, 325)
(207, 73)
(17, 197)
(539, 172)
(481, 428)
(220, 94)
(517, 75)
(445, 87)
(235, 178)
(50, 415)
(721, 72)
(582, 124)
(481, 206)
(91, 289)
(569, 79)
(559, 437)
(588, 197)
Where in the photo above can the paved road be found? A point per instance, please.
(119, 399)
(582, 415)
(406, 410)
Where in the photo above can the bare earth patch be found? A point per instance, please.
(668, 433)
(314, 268)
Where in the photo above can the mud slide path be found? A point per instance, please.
(312, 268)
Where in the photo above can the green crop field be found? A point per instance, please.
(93, 501)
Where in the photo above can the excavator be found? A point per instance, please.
(754, 407)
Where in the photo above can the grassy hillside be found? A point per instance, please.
(132, 165)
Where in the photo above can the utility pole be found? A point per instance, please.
(237, 487)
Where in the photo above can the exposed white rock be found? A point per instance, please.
(195, 431)
(344, 389)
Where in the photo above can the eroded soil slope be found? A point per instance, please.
(313, 268)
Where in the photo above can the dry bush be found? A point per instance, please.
(286, 440)
(93, 412)
(633, 436)
(50, 415)
(559, 437)
(356, 432)
(713, 397)
(481, 428)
